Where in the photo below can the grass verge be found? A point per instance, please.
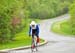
(21, 39)
(62, 27)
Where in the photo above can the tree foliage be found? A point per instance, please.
(14, 14)
(47, 8)
(8, 10)
(72, 19)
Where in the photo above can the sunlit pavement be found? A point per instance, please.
(56, 43)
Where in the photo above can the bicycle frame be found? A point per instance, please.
(34, 44)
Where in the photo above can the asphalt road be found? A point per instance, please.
(56, 43)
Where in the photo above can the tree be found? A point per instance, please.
(72, 19)
(8, 10)
(47, 8)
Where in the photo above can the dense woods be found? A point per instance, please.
(14, 14)
(47, 8)
(72, 19)
(9, 10)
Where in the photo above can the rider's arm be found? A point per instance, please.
(37, 30)
(29, 30)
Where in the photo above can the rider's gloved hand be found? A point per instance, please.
(29, 35)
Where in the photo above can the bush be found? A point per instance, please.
(72, 19)
(8, 10)
(47, 8)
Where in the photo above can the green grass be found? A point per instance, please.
(21, 39)
(62, 27)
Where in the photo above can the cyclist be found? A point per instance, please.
(34, 31)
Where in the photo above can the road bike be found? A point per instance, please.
(34, 44)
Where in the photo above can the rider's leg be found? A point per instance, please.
(37, 41)
(32, 45)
